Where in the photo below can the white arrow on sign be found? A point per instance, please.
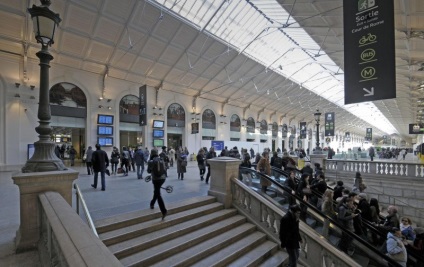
(369, 92)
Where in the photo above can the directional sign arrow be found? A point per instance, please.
(369, 92)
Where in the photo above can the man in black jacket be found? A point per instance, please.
(100, 162)
(289, 234)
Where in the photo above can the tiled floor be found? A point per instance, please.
(123, 194)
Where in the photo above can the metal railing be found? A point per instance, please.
(80, 198)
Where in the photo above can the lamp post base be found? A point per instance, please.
(44, 159)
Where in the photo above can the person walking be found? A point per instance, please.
(88, 158)
(201, 163)
(211, 154)
(100, 162)
(156, 167)
(289, 234)
(115, 156)
(139, 161)
(171, 153)
(72, 154)
(181, 164)
(371, 153)
(125, 160)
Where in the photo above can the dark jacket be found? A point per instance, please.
(320, 186)
(308, 170)
(289, 231)
(364, 206)
(139, 157)
(100, 160)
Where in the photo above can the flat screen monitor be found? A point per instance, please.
(104, 130)
(158, 142)
(105, 119)
(158, 124)
(105, 141)
(158, 133)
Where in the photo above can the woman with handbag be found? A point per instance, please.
(114, 158)
(264, 167)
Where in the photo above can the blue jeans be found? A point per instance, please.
(293, 256)
(102, 175)
(140, 174)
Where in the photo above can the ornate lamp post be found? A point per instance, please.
(317, 116)
(44, 159)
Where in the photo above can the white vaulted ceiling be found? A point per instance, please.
(286, 56)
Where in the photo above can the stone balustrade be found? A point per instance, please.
(315, 250)
(391, 183)
(65, 240)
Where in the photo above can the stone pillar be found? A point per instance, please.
(318, 158)
(30, 186)
(222, 170)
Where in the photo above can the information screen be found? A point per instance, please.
(104, 130)
(105, 119)
(158, 142)
(158, 124)
(105, 141)
(158, 133)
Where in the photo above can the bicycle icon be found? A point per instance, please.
(366, 39)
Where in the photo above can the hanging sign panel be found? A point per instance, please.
(143, 105)
(416, 128)
(368, 134)
(347, 137)
(329, 124)
(369, 50)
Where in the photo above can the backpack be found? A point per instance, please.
(278, 162)
(158, 168)
(125, 154)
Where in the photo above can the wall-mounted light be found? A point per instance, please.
(109, 107)
(109, 100)
(17, 95)
(100, 106)
(223, 116)
(32, 87)
(32, 97)
(17, 85)
(101, 98)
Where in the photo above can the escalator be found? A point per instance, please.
(364, 254)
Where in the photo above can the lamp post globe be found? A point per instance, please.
(44, 159)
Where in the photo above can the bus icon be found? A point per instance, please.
(365, 4)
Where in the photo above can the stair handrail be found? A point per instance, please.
(316, 210)
(80, 197)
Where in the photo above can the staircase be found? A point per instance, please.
(196, 232)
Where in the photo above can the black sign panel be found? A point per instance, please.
(143, 105)
(368, 134)
(416, 128)
(347, 137)
(329, 124)
(303, 130)
(369, 50)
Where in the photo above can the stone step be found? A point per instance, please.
(235, 250)
(255, 256)
(125, 233)
(227, 218)
(190, 248)
(277, 259)
(132, 218)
